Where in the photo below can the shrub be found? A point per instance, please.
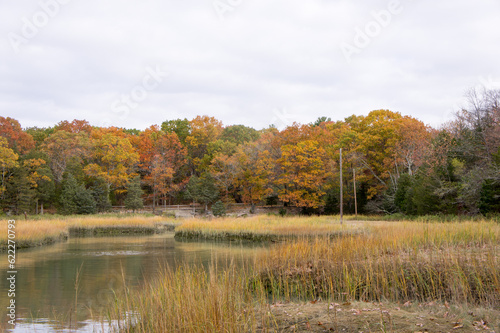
(218, 209)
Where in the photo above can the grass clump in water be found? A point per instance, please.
(264, 228)
(32, 233)
(189, 299)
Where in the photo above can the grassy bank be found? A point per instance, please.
(265, 228)
(387, 276)
(409, 261)
(32, 233)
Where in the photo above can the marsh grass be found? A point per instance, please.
(436, 265)
(32, 233)
(457, 262)
(189, 299)
(264, 228)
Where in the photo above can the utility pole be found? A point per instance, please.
(341, 191)
(355, 200)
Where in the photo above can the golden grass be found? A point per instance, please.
(444, 267)
(30, 233)
(395, 261)
(189, 299)
(100, 222)
(263, 227)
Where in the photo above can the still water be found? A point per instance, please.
(85, 273)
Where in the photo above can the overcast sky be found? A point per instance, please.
(253, 62)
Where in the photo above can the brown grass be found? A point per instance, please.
(264, 227)
(443, 276)
(456, 262)
(31, 233)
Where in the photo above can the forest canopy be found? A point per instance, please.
(401, 164)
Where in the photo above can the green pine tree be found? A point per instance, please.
(100, 192)
(202, 190)
(20, 193)
(68, 194)
(134, 195)
(218, 209)
(85, 203)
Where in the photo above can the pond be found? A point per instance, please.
(87, 272)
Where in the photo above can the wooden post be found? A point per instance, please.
(355, 200)
(341, 191)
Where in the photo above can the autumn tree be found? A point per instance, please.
(63, 146)
(18, 140)
(162, 161)
(254, 173)
(8, 160)
(204, 130)
(224, 170)
(413, 143)
(376, 137)
(40, 177)
(113, 159)
(75, 126)
(304, 172)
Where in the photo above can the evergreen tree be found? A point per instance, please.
(68, 195)
(332, 203)
(218, 209)
(85, 203)
(490, 197)
(20, 194)
(100, 192)
(134, 194)
(404, 194)
(202, 190)
(46, 188)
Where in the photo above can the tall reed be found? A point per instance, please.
(189, 299)
(396, 262)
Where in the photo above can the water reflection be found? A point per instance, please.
(48, 288)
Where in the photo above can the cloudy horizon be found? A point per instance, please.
(255, 63)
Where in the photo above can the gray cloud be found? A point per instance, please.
(262, 56)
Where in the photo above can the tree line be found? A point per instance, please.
(401, 164)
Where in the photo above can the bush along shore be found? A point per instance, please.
(389, 277)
